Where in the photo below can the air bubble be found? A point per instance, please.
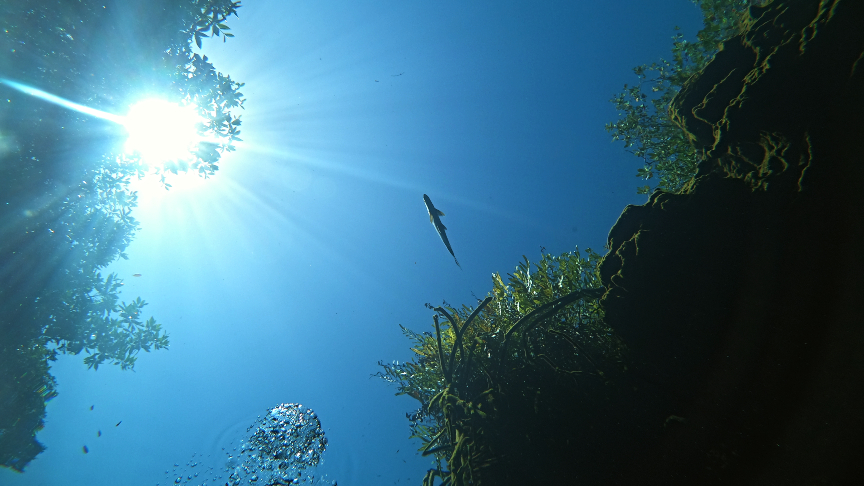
(279, 448)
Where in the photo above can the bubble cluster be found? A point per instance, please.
(280, 446)
(284, 447)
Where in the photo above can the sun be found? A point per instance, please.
(161, 131)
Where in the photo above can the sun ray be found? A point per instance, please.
(69, 105)
(159, 130)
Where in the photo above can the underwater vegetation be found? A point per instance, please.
(66, 209)
(490, 379)
(727, 365)
(698, 351)
(644, 124)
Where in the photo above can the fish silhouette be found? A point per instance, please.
(435, 218)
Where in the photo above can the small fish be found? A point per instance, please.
(435, 218)
(118, 423)
(91, 407)
(85, 449)
(136, 274)
(98, 433)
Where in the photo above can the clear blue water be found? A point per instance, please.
(284, 277)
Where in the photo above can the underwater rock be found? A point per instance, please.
(740, 299)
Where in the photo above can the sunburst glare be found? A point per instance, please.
(160, 130)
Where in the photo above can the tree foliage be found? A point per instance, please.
(65, 199)
(644, 124)
(539, 330)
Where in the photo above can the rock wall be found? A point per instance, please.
(742, 299)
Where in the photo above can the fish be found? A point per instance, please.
(91, 407)
(136, 274)
(435, 218)
(98, 433)
(85, 449)
(118, 423)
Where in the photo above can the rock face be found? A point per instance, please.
(742, 299)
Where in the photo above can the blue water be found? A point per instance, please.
(284, 277)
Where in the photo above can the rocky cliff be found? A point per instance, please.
(742, 299)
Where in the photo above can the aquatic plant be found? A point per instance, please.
(67, 204)
(644, 124)
(539, 331)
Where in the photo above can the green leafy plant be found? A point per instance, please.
(644, 124)
(542, 326)
(198, 84)
(65, 198)
(113, 331)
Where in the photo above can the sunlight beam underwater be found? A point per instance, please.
(69, 105)
(159, 130)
